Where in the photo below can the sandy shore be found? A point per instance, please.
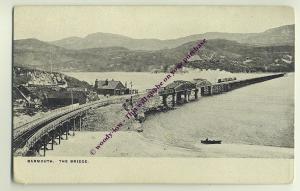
(133, 144)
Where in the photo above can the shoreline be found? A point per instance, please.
(132, 144)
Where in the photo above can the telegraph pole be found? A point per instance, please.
(72, 96)
(131, 103)
(51, 60)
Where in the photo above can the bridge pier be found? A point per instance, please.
(66, 131)
(59, 136)
(44, 134)
(52, 140)
(196, 93)
(202, 91)
(38, 147)
(55, 135)
(173, 100)
(44, 146)
(210, 90)
(186, 99)
(164, 97)
(80, 123)
(226, 87)
(74, 126)
(178, 98)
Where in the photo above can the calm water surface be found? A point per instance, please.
(259, 114)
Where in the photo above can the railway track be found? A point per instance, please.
(22, 136)
(20, 140)
(18, 131)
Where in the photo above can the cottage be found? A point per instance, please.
(110, 87)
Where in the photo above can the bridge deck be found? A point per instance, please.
(25, 136)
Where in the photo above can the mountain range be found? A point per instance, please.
(283, 35)
(270, 51)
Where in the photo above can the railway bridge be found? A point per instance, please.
(42, 134)
(202, 87)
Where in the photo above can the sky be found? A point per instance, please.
(50, 23)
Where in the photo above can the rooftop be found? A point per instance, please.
(108, 84)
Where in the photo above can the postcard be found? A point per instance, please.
(153, 94)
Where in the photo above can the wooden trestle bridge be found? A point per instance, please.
(180, 88)
(39, 135)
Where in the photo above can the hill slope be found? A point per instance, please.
(222, 54)
(284, 35)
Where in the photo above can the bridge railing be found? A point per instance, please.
(55, 113)
(36, 118)
(61, 111)
(219, 87)
(66, 116)
(46, 129)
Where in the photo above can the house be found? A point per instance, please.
(110, 87)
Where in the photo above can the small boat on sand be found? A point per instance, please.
(139, 130)
(207, 141)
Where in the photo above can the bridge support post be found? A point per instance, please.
(80, 123)
(67, 132)
(178, 97)
(227, 87)
(185, 97)
(45, 146)
(59, 136)
(52, 141)
(54, 138)
(38, 151)
(209, 90)
(202, 91)
(74, 126)
(196, 93)
(173, 100)
(39, 147)
(165, 100)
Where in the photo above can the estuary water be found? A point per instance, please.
(145, 80)
(259, 114)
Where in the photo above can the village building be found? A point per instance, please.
(110, 87)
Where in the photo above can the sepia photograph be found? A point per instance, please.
(187, 82)
(233, 98)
